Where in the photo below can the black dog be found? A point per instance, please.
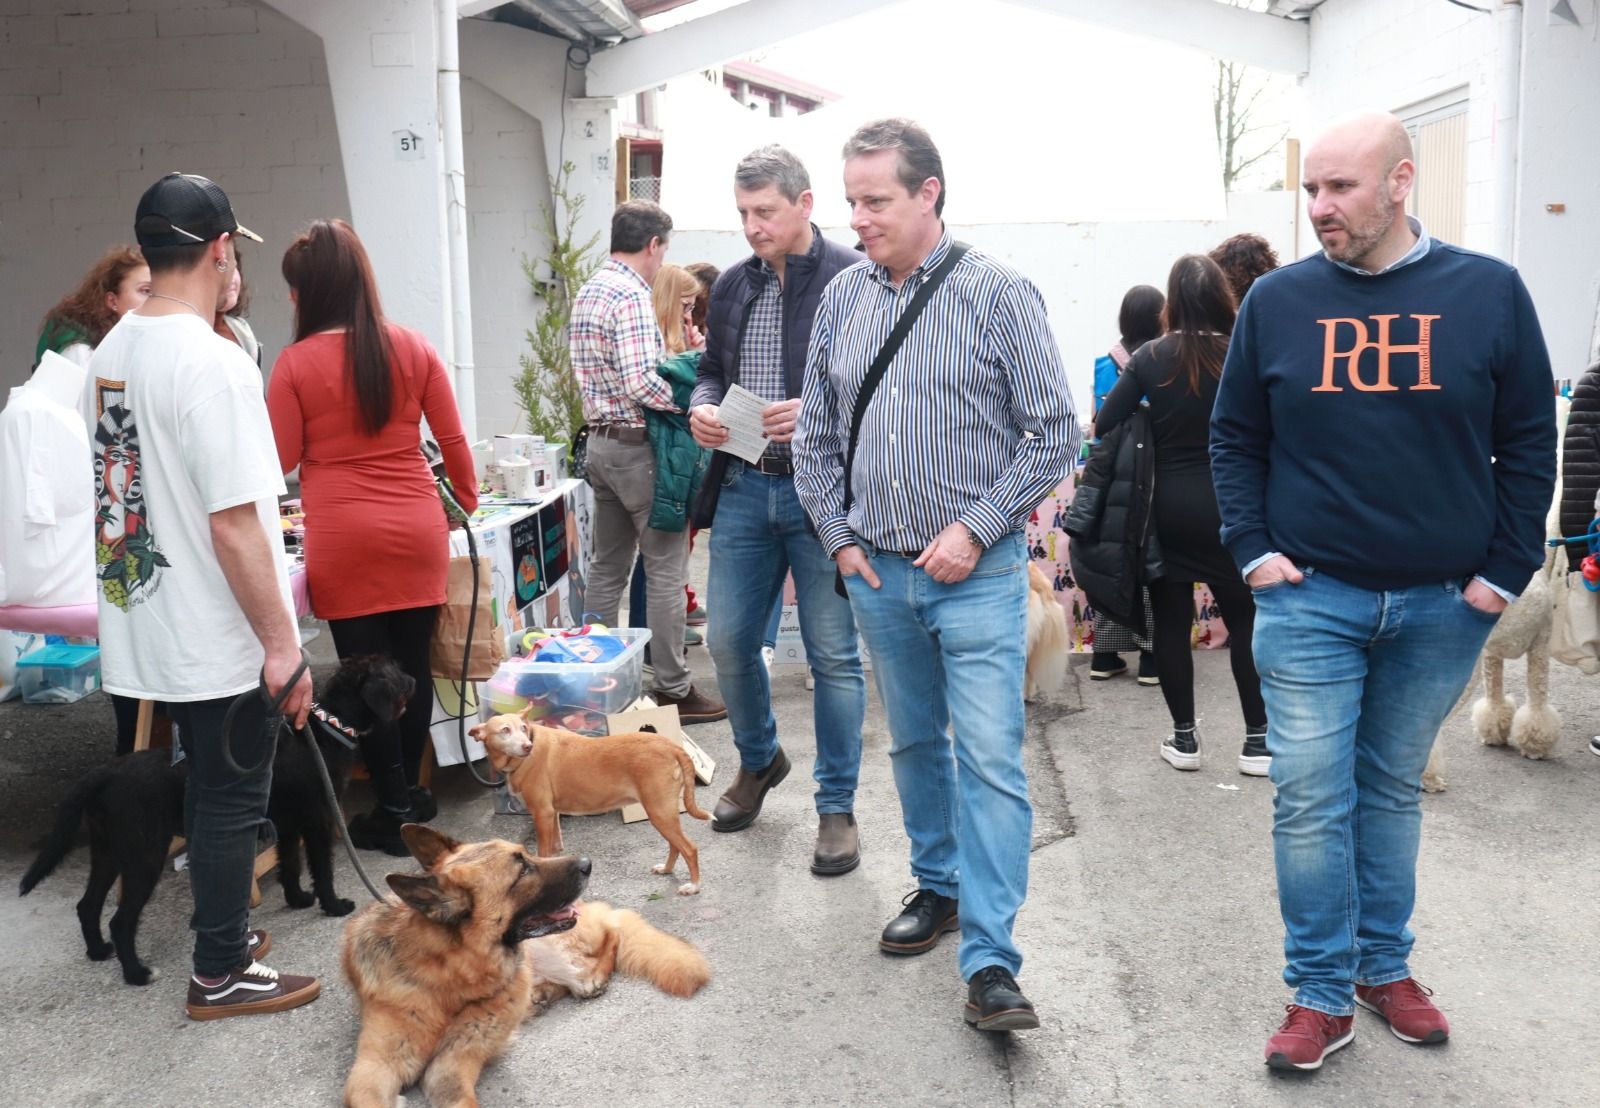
(135, 809)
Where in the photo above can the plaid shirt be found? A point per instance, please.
(761, 357)
(616, 347)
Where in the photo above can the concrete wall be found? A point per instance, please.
(1559, 254)
(506, 184)
(1082, 269)
(99, 98)
(1394, 54)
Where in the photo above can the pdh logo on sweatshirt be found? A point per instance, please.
(1332, 355)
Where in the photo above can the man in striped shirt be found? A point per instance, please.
(971, 426)
(616, 347)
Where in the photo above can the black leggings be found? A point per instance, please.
(1173, 605)
(393, 752)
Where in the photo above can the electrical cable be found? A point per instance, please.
(1470, 7)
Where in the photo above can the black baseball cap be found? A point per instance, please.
(182, 209)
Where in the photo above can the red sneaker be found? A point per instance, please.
(1407, 1009)
(1307, 1037)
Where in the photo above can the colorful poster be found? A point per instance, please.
(527, 580)
(553, 539)
(1047, 542)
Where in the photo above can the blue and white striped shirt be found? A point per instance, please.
(972, 422)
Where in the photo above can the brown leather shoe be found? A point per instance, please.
(741, 804)
(838, 844)
(693, 706)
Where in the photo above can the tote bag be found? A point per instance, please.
(1575, 626)
(450, 629)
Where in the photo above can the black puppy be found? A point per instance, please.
(135, 808)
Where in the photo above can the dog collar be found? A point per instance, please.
(336, 727)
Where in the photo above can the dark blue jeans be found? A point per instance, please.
(222, 812)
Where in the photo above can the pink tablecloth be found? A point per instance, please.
(83, 620)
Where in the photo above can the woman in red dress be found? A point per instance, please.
(346, 400)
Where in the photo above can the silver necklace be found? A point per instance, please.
(178, 300)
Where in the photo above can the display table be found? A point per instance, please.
(1047, 542)
(538, 555)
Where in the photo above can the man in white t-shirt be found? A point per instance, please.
(195, 607)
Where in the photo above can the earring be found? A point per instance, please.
(222, 267)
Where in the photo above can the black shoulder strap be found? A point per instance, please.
(891, 346)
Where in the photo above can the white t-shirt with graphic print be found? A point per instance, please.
(180, 431)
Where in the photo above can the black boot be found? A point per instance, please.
(379, 829)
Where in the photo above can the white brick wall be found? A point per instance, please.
(98, 98)
(1388, 55)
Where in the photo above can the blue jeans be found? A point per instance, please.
(954, 654)
(1356, 684)
(760, 535)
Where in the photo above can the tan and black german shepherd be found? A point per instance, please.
(445, 973)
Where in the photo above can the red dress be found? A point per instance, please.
(375, 528)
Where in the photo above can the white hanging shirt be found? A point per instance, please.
(181, 431)
(46, 497)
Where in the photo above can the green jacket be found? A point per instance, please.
(680, 463)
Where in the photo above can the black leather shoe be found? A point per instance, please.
(423, 806)
(994, 1003)
(927, 915)
(379, 829)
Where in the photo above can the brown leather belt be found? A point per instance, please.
(620, 432)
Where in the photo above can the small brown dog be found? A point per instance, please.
(558, 771)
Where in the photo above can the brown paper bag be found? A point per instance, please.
(450, 629)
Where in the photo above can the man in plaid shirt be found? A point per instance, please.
(616, 347)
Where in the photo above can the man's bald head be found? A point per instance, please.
(1375, 135)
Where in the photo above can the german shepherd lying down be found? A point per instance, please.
(445, 973)
(135, 809)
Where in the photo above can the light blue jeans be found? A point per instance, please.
(954, 654)
(1356, 684)
(761, 534)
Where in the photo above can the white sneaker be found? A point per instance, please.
(811, 683)
(767, 655)
(1182, 750)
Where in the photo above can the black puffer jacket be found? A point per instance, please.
(1580, 462)
(1113, 552)
(732, 297)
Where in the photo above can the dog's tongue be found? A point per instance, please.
(569, 912)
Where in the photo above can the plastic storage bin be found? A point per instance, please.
(58, 674)
(603, 686)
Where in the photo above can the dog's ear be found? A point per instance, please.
(426, 845)
(478, 730)
(431, 897)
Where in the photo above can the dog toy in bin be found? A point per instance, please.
(535, 638)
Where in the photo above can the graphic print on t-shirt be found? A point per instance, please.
(126, 557)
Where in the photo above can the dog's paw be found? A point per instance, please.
(661, 867)
(588, 990)
(298, 898)
(1433, 782)
(138, 975)
(99, 952)
(338, 906)
(688, 888)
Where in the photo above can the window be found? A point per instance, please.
(1438, 130)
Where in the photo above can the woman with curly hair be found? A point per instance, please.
(1243, 258)
(114, 285)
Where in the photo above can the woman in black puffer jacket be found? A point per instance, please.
(1580, 463)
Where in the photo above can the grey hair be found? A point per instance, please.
(772, 165)
(919, 157)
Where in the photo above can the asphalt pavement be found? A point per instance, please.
(1151, 937)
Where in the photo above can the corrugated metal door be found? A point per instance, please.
(1440, 196)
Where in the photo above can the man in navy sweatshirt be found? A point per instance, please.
(1384, 449)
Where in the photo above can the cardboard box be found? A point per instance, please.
(665, 722)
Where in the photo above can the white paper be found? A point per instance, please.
(740, 412)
